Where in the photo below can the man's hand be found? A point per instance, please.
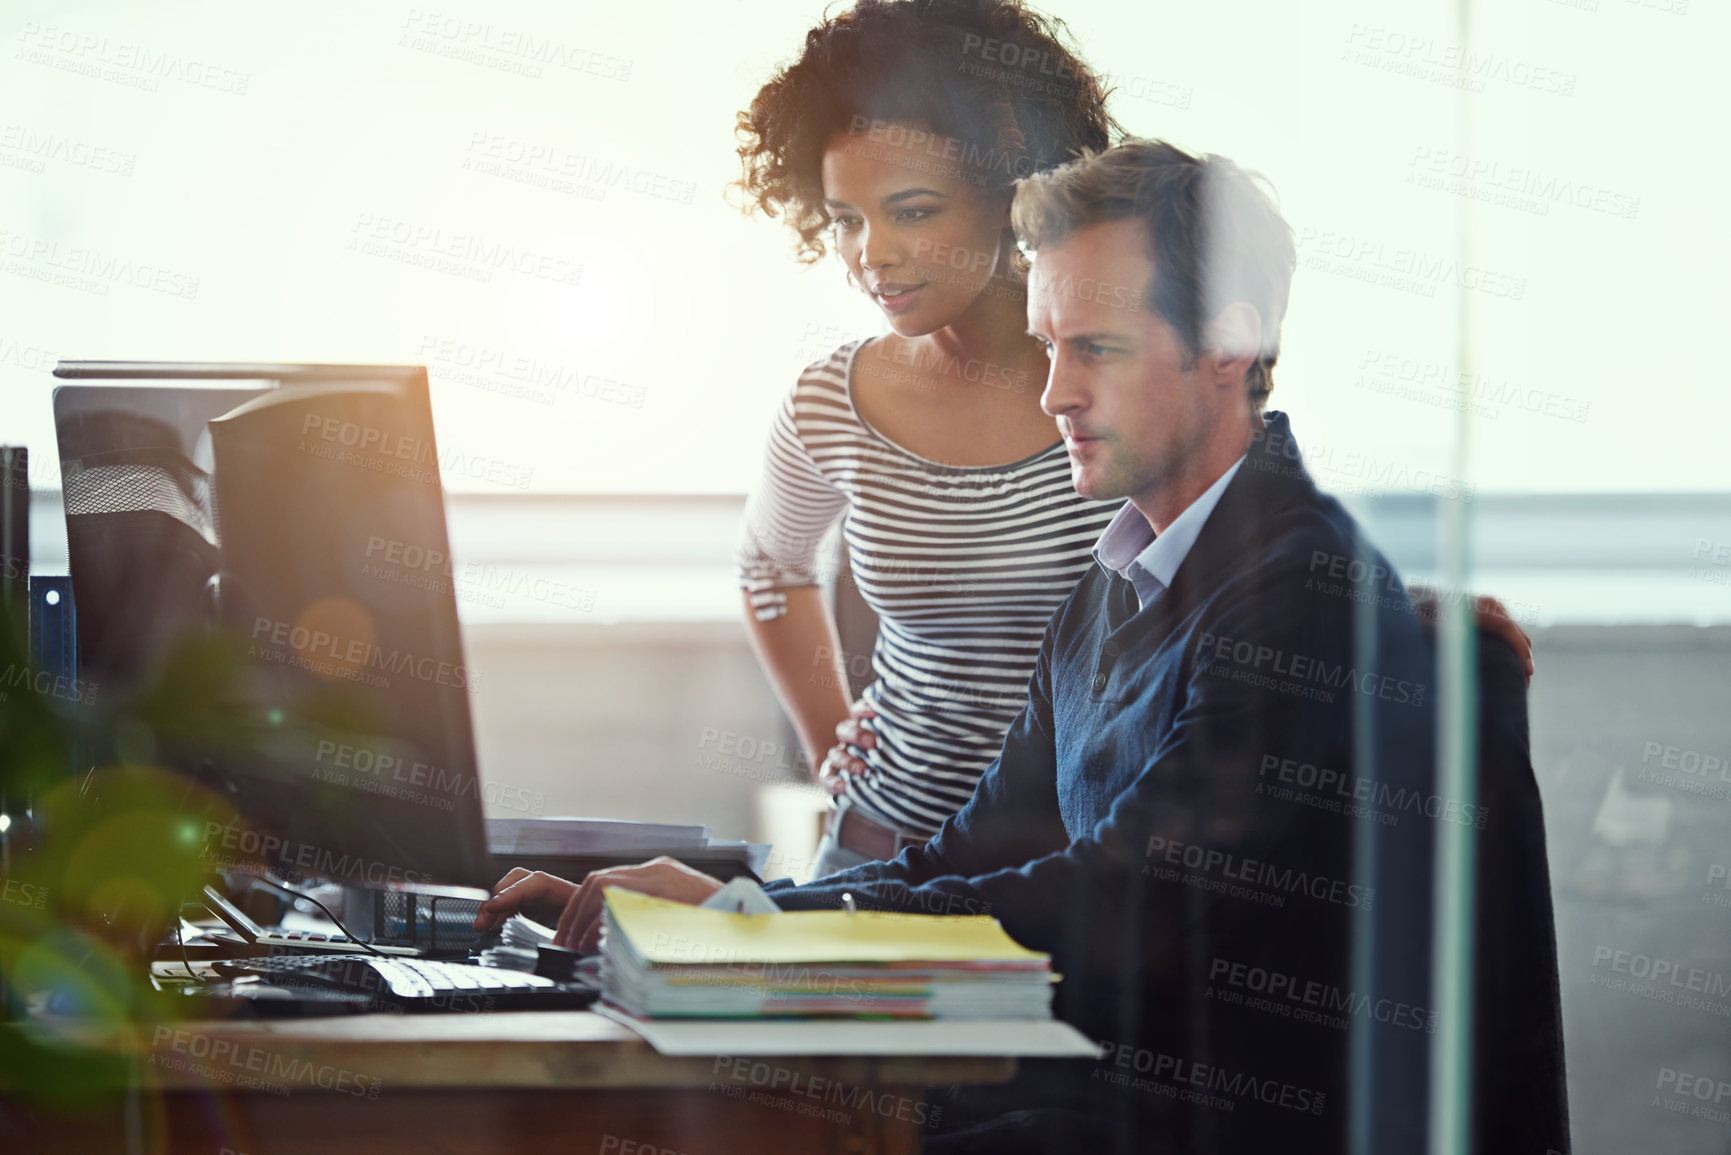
(1490, 615)
(520, 887)
(579, 926)
(664, 877)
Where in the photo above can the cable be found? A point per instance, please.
(181, 943)
(352, 937)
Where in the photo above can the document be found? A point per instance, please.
(1016, 1037)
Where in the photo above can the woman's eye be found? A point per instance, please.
(842, 224)
(907, 216)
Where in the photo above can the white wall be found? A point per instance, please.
(197, 180)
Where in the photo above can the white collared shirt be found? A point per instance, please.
(1148, 561)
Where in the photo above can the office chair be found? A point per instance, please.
(1519, 1092)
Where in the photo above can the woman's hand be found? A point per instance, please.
(841, 763)
(1490, 616)
(579, 926)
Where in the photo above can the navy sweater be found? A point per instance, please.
(1217, 813)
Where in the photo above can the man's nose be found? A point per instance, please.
(1063, 393)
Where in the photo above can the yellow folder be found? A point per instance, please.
(675, 934)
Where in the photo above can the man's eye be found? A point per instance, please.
(1092, 350)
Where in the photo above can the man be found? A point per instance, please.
(1228, 930)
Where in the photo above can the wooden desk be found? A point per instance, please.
(542, 1081)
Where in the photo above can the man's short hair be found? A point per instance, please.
(1214, 235)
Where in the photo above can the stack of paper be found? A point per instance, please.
(518, 948)
(665, 959)
(517, 944)
(590, 836)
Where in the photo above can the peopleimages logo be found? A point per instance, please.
(619, 1145)
(508, 372)
(418, 567)
(1471, 390)
(760, 759)
(24, 894)
(1372, 260)
(226, 1060)
(89, 269)
(28, 356)
(1717, 554)
(1691, 771)
(1720, 874)
(287, 856)
(1353, 471)
(399, 455)
(545, 164)
(1424, 58)
(505, 49)
(1687, 1093)
(468, 255)
(808, 1094)
(1515, 186)
(943, 148)
(818, 981)
(351, 659)
(1173, 1072)
(1232, 867)
(17, 676)
(1256, 664)
(1666, 980)
(1357, 797)
(136, 65)
(36, 148)
(377, 766)
(1306, 1000)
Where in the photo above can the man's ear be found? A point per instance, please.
(1235, 339)
(1007, 250)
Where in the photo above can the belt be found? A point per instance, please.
(861, 835)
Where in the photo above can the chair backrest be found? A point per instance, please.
(1520, 1096)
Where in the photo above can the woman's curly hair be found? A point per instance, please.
(993, 74)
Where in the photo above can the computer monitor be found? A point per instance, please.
(296, 509)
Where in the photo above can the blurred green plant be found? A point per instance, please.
(104, 844)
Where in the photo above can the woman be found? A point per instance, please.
(896, 137)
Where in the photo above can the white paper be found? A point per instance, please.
(741, 896)
(1021, 1038)
(756, 853)
(591, 836)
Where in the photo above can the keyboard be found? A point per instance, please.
(416, 984)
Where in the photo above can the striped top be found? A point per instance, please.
(963, 566)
